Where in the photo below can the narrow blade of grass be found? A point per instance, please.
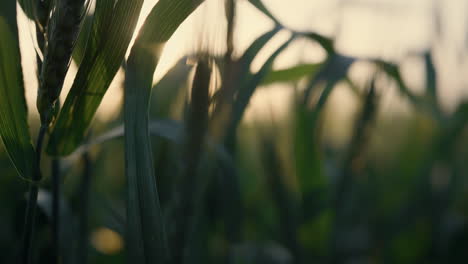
(262, 8)
(14, 129)
(283, 197)
(251, 52)
(246, 91)
(325, 42)
(240, 70)
(111, 32)
(393, 71)
(170, 91)
(146, 242)
(167, 129)
(192, 181)
(333, 71)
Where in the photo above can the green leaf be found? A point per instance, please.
(241, 69)
(14, 129)
(113, 26)
(291, 74)
(146, 242)
(333, 71)
(282, 194)
(192, 183)
(170, 90)
(167, 129)
(252, 51)
(308, 161)
(326, 43)
(393, 71)
(246, 91)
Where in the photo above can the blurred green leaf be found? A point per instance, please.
(326, 43)
(285, 200)
(393, 71)
(262, 8)
(291, 74)
(146, 241)
(309, 163)
(113, 26)
(192, 183)
(240, 71)
(167, 129)
(167, 93)
(14, 129)
(249, 85)
(252, 51)
(431, 106)
(334, 70)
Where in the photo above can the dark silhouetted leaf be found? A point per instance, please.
(333, 71)
(14, 129)
(326, 43)
(146, 240)
(248, 88)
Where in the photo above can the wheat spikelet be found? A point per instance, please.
(63, 29)
(42, 13)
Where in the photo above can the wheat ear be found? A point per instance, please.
(63, 30)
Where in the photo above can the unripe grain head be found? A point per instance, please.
(63, 30)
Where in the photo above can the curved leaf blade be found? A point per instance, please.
(334, 70)
(248, 89)
(14, 129)
(146, 240)
(262, 8)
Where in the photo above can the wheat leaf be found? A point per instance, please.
(14, 129)
(146, 241)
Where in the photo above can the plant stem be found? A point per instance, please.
(55, 209)
(29, 223)
(346, 180)
(83, 218)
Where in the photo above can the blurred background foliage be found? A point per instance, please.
(382, 183)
